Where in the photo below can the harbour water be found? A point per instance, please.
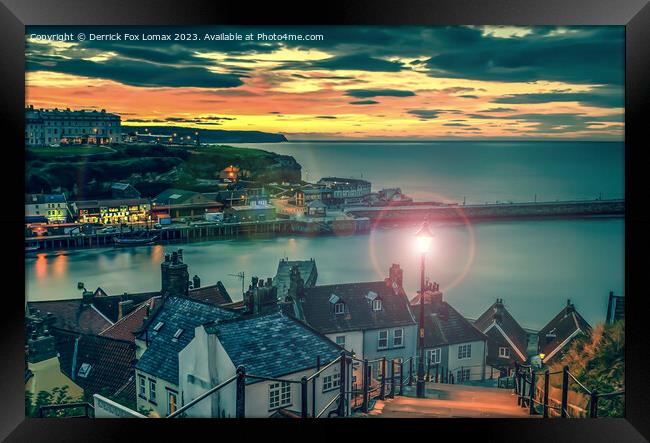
(533, 265)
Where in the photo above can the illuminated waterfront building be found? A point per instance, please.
(135, 210)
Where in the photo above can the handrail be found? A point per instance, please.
(202, 396)
(336, 397)
(612, 394)
(579, 384)
(317, 373)
(259, 377)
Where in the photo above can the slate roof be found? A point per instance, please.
(506, 322)
(124, 328)
(111, 361)
(37, 199)
(359, 315)
(181, 196)
(273, 345)
(73, 315)
(161, 357)
(565, 323)
(443, 325)
(215, 294)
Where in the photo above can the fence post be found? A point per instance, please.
(546, 381)
(342, 385)
(241, 392)
(565, 391)
(303, 397)
(401, 378)
(366, 385)
(313, 389)
(411, 371)
(392, 379)
(428, 370)
(533, 388)
(382, 391)
(516, 381)
(437, 381)
(593, 404)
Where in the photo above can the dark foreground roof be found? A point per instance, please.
(443, 325)
(273, 345)
(73, 315)
(497, 312)
(110, 361)
(319, 313)
(161, 357)
(563, 325)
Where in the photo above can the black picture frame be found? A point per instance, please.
(634, 15)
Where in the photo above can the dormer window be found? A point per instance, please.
(376, 305)
(339, 308)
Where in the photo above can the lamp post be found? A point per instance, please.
(424, 238)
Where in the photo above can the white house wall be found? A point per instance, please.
(476, 363)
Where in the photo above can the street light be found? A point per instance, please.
(424, 237)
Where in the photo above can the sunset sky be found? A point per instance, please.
(358, 82)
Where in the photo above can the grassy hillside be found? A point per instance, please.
(87, 172)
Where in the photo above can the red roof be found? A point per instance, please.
(124, 328)
(215, 295)
(73, 315)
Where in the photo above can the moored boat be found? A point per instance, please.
(135, 239)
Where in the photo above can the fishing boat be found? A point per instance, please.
(138, 238)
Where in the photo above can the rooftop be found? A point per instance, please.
(73, 315)
(555, 334)
(215, 294)
(497, 313)
(97, 364)
(36, 199)
(319, 310)
(124, 328)
(273, 345)
(443, 325)
(307, 269)
(161, 357)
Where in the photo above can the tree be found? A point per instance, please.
(57, 396)
(598, 362)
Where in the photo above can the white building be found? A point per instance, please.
(45, 127)
(271, 345)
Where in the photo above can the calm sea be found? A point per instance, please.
(535, 266)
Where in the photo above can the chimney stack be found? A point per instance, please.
(174, 276)
(396, 274)
(196, 281)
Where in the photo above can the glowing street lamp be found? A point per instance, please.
(424, 237)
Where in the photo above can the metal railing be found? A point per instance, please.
(530, 396)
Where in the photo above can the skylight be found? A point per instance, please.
(158, 326)
(178, 333)
(84, 369)
(371, 295)
(334, 298)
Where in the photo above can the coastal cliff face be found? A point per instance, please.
(150, 168)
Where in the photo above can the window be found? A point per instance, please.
(383, 340)
(398, 337)
(177, 334)
(152, 391)
(504, 352)
(462, 375)
(376, 305)
(340, 340)
(433, 356)
(331, 381)
(464, 351)
(143, 387)
(158, 326)
(339, 308)
(172, 402)
(279, 394)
